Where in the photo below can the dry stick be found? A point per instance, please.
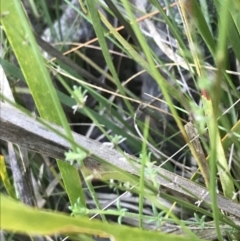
(193, 137)
(19, 128)
(22, 178)
(208, 232)
(20, 171)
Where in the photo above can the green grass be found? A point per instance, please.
(114, 109)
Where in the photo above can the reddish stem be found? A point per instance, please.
(205, 94)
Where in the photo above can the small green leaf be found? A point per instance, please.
(78, 156)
